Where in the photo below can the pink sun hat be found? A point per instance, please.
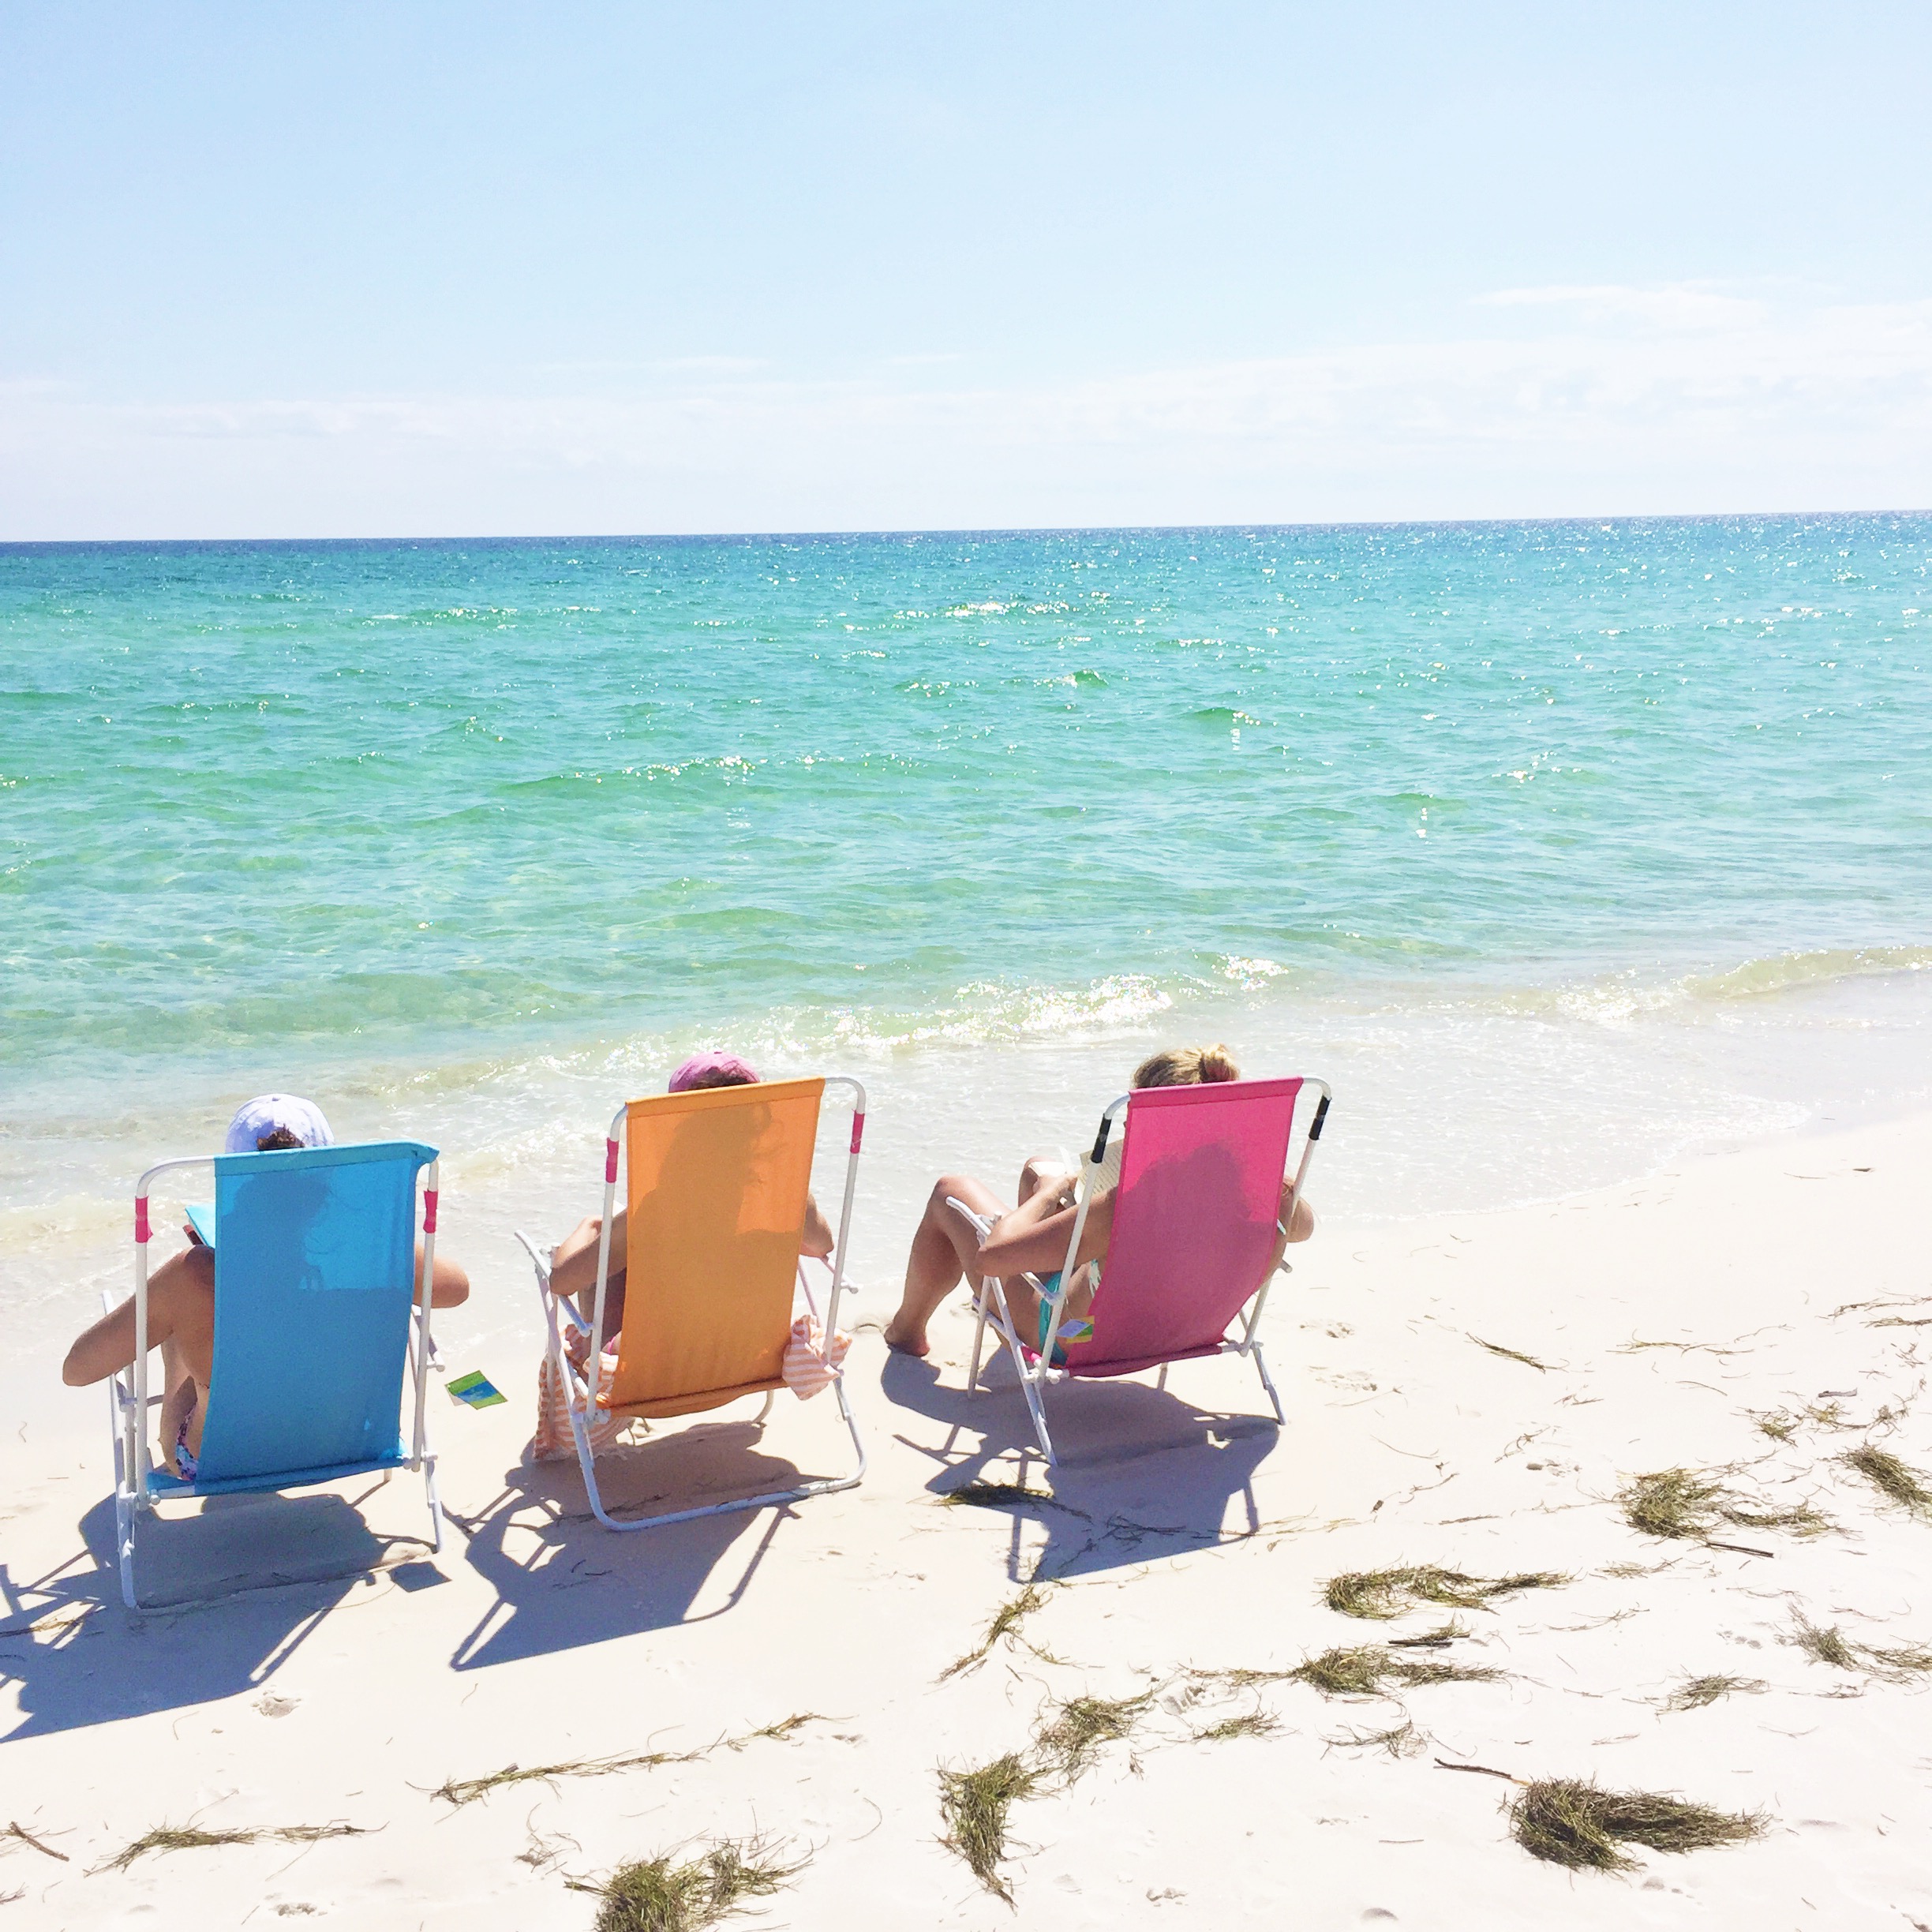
(713, 1068)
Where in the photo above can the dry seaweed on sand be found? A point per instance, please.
(1823, 1646)
(192, 1838)
(1006, 1496)
(16, 1830)
(1402, 1740)
(1695, 1693)
(1381, 1594)
(1078, 1728)
(1897, 1663)
(1240, 1679)
(1438, 1638)
(466, 1791)
(1362, 1671)
(1006, 1622)
(667, 1894)
(1893, 1663)
(1575, 1822)
(1683, 1502)
(975, 1805)
(1801, 1519)
(1496, 1348)
(776, 1733)
(1898, 1480)
(1252, 1723)
(1672, 1503)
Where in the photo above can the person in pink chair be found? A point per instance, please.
(1031, 1238)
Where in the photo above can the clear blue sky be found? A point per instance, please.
(396, 268)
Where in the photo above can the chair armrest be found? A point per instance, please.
(561, 1304)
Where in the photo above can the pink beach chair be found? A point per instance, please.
(1196, 1220)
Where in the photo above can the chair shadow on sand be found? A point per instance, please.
(561, 1581)
(1142, 1473)
(277, 1567)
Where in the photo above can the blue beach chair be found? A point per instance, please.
(314, 1284)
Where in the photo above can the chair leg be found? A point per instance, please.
(1160, 1381)
(979, 1310)
(782, 1498)
(1267, 1383)
(126, 1460)
(1036, 1407)
(435, 1505)
(124, 1536)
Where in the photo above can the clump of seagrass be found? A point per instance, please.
(666, 1894)
(1823, 1646)
(1686, 1503)
(1068, 1741)
(1900, 1481)
(1364, 1671)
(466, 1791)
(1894, 1663)
(975, 1805)
(1575, 1822)
(1253, 1724)
(1381, 1594)
(192, 1838)
(1005, 1624)
(1005, 1496)
(1695, 1693)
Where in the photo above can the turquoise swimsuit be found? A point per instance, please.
(1075, 1328)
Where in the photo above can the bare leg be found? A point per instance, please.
(943, 1253)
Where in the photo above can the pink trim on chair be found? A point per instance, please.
(141, 1217)
(857, 1131)
(610, 1162)
(429, 1210)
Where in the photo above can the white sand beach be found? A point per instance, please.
(1184, 1537)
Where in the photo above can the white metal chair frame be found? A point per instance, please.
(991, 1308)
(581, 1390)
(128, 1402)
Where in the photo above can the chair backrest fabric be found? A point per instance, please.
(315, 1274)
(1195, 1220)
(718, 1178)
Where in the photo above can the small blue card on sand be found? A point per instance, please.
(476, 1389)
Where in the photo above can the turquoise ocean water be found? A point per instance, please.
(1634, 817)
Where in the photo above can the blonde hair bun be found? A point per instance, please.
(1187, 1066)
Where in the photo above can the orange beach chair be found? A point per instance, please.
(717, 1181)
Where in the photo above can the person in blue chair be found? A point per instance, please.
(181, 1293)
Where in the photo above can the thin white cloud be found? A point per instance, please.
(1674, 405)
(1674, 305)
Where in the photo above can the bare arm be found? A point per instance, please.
(816, 1237)
(181, 1308)
(1032, 1240)
(106, 1347)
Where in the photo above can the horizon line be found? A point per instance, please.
(964, 530)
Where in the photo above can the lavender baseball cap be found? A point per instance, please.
(261, 1117)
